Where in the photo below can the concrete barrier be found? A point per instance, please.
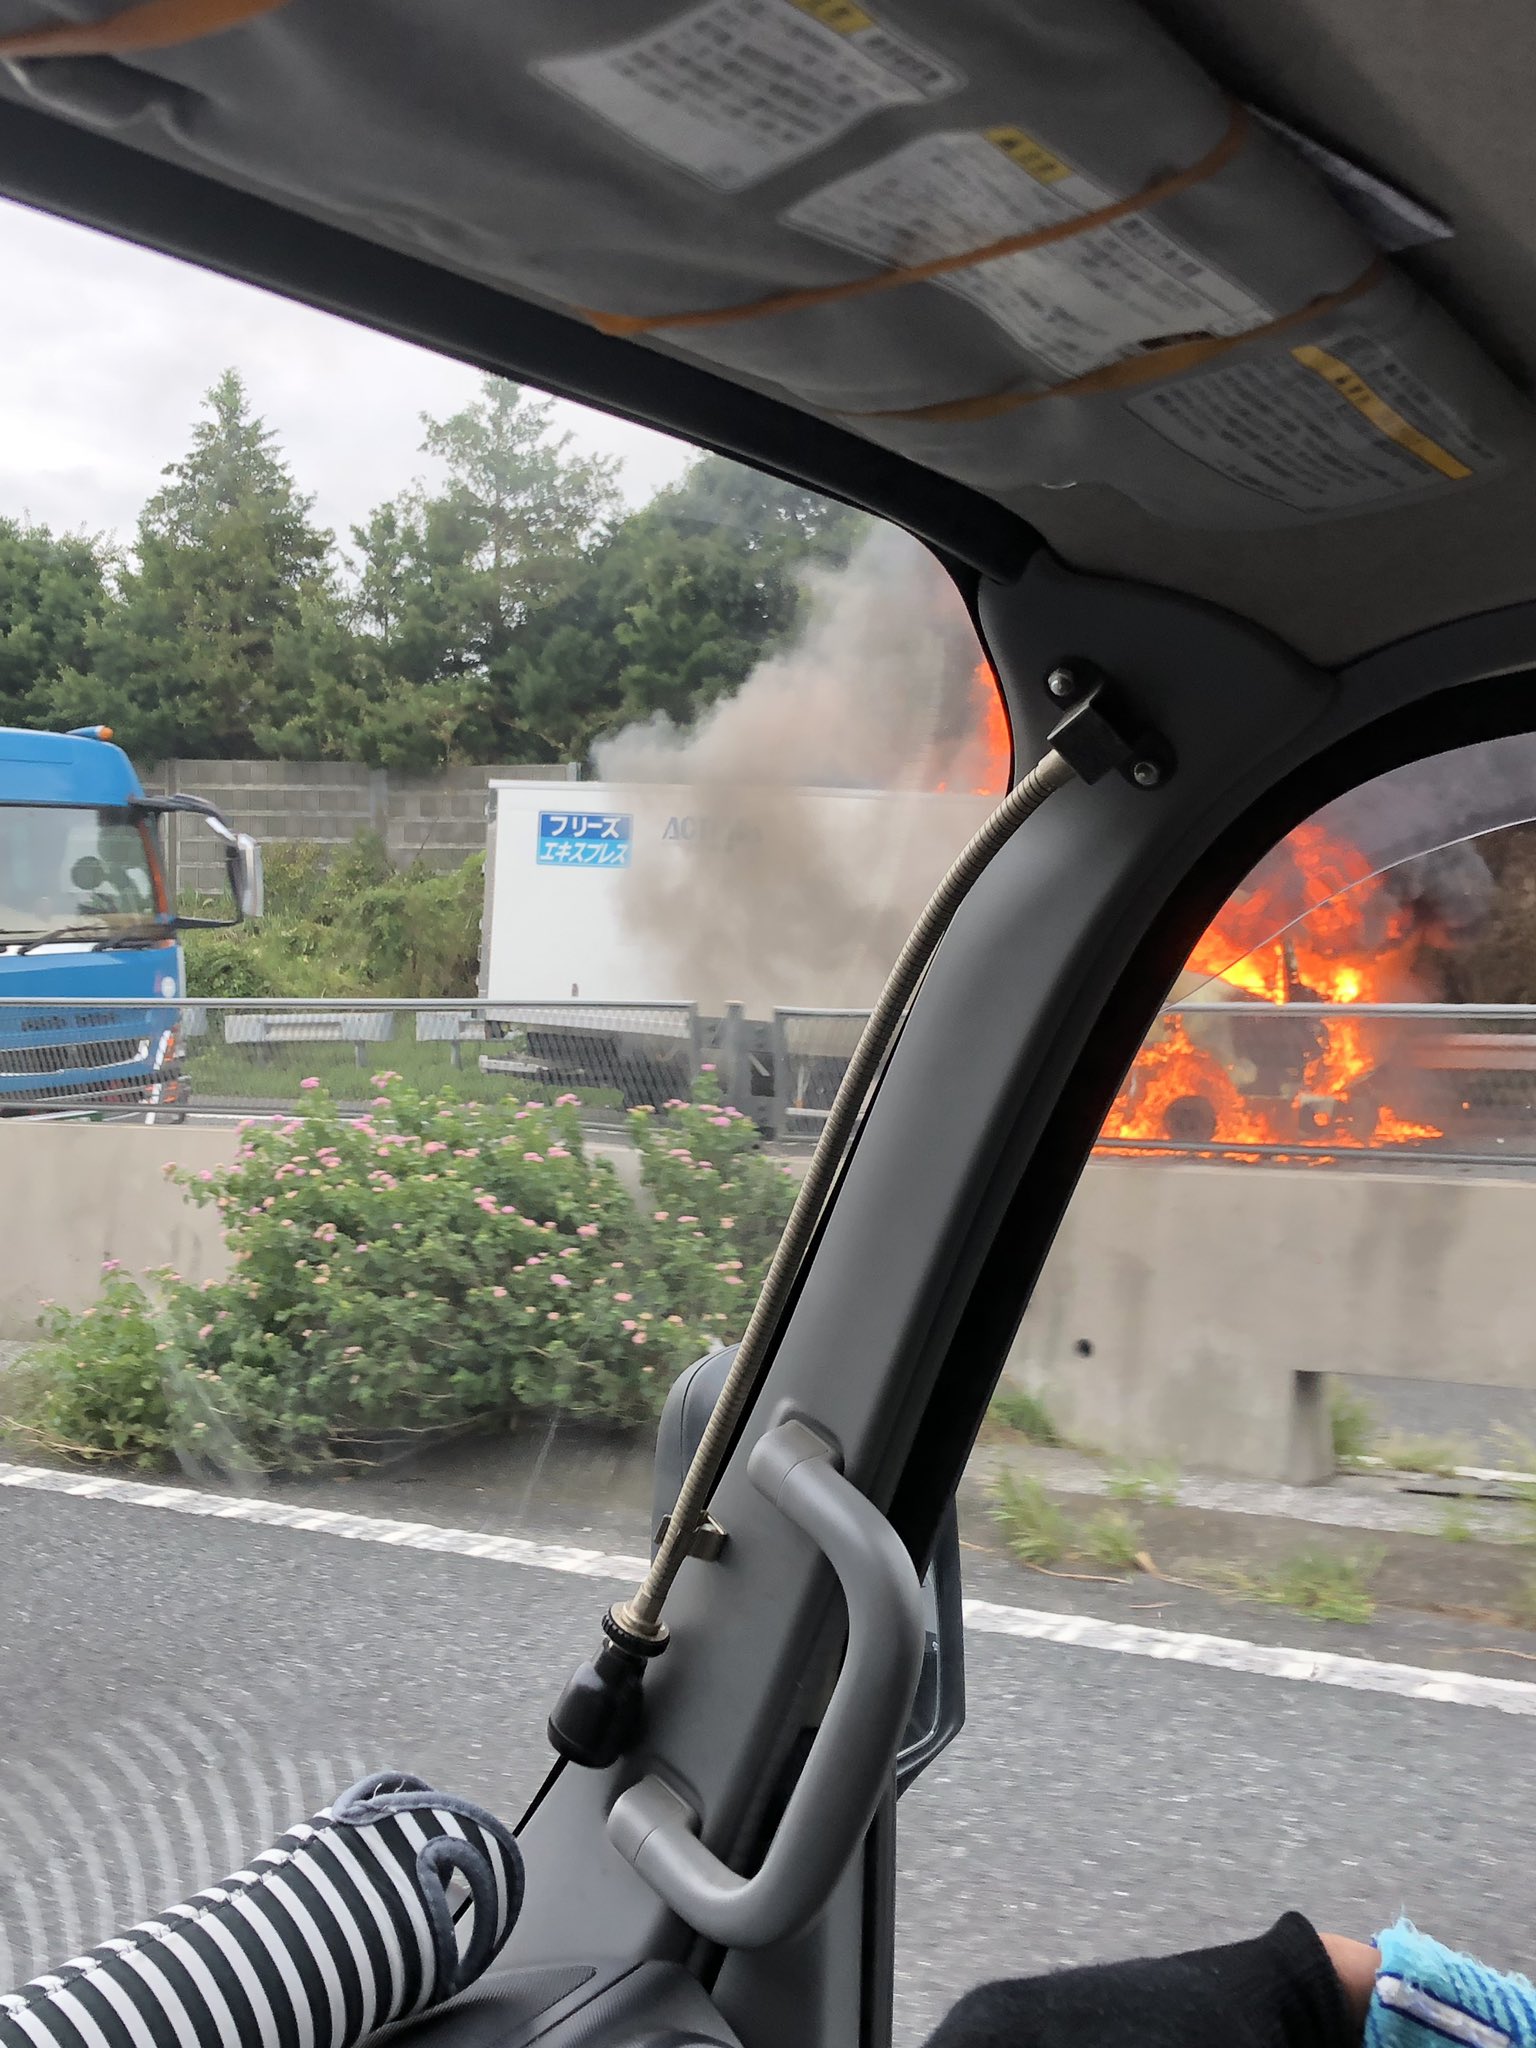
(1193, 1311)
(77, 1194)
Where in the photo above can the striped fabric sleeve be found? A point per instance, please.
(1428, 1996)
(346, 1923)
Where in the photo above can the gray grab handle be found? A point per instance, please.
(849, 1765)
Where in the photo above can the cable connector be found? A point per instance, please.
(1097, 736)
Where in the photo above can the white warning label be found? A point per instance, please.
(1077, 304)
(736, 89)
(1322, 428)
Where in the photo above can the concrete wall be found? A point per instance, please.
(1185, 1311)
(76, 1194)
(438, 819)
(1190, 1311)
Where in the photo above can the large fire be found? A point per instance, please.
(1250, 1078)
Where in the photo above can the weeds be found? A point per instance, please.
(1315, 1582)
(1016, 1408)
(1111, 1539)
(1454, 1526)
(1435, 1456)
(1036, 1529)
(1353, 1423)
(1157, 1483)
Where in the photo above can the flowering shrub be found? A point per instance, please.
(720, 1205)
(431, 1266)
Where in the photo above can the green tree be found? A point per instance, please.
(677, 608)
(209, 649)
(54, 590)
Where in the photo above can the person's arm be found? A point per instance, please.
(1355, 1964)
(1286, 1989)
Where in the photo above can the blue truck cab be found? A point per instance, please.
(90, 961)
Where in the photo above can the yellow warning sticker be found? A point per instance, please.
(1029, 155)
(841, 15)
(1322, 429)
(1351, 385)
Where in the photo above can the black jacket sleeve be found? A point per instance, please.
(1279, 1991)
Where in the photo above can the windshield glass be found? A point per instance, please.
(89, 871)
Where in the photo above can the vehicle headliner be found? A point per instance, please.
(1429, 100)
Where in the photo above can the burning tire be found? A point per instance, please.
(1190, 1120)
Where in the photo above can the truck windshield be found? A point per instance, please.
(89, 871)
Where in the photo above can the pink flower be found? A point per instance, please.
(567, 1101)
(558, 1152)
(111, 1265)
(434, 1145)
(626, 1325)
(586, 1230)
(310, 1081)
(623, 1297)
(723, 1122)
(727, 1222)
(662, 1216)
(206, 1330)
(559, 1280)
(499, 1293)
(205, 1175)
(706, 1069)
(534, 1158)
(638, 1337)
(353, 1351)
(379, 1080)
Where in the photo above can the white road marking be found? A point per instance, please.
(1265, 1660)
(982, 1617)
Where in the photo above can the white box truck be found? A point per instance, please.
(633, 931)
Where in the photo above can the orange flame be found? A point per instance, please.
(982, 762)
(1235, 1080)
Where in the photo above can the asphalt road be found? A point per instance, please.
(173, 1690)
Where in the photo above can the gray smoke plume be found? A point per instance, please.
(877, 692)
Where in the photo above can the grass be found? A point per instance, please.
(1434, 1455)
(1353, 1422)
(1025, 1414)
(1319, 1583)
(1156, 1482)
(1111, 1539)
(1036, 1529)
(1454, 1526)
(1039, 1531)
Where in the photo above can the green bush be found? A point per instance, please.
(433, 1266)
(345, 922)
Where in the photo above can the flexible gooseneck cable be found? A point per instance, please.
(639, 1617)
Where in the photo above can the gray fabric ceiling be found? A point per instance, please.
(427, 128)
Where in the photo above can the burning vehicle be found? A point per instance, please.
(1315, 925)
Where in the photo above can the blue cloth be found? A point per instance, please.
(1427, 1995)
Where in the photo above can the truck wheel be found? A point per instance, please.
(1190, 1120)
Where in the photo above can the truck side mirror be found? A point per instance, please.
(247, 877)
(938, 1707)
(242, 860)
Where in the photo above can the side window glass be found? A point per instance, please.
(1250, 1524)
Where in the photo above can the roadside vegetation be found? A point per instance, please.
(435, 1266)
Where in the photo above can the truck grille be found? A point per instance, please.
(71, 1056)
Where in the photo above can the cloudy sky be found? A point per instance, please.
(107, 349)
